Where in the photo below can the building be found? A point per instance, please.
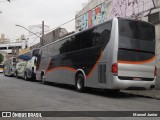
(3, 39)
(54, 35)
(12, 48)
(51, 37)
(96, 12)
(154, 17)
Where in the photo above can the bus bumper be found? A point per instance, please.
(132, 84)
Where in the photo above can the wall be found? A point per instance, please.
(108, 9)
(158, 55)
(54, 35)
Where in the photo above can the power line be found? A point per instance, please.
(34, 41)
(92, 9)
(96, 7)
(6, 1)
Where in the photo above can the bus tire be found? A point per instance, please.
(4, 73)
(17, 74)
(80, 83)
(25, 76)
(43, 79)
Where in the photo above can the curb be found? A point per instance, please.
(142, 94)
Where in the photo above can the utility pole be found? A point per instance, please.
(42, 39)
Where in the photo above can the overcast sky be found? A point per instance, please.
(32, 12)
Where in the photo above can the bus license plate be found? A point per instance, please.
(137, 79)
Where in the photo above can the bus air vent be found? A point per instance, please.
(102, 73)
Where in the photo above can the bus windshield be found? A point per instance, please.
(136, 30)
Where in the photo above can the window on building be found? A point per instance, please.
(154, 18)
(3, 48)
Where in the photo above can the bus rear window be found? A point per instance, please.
(136, 30)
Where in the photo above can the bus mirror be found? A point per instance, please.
(35, 61)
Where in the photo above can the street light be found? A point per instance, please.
(28, 30)
(41, 38)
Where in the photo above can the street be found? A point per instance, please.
(19, 95)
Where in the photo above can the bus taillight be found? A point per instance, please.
(155, 71)
(115, 68)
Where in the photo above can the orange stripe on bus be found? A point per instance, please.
(139, 62)
(63, 67)
(74, 70)
(95, 65)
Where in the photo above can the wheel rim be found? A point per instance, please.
(43, 79)
(79, 83)
(25, 77)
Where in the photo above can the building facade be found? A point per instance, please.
(12, 48)
(54, 35)
(96, 12)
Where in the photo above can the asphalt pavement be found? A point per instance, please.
(19, 95)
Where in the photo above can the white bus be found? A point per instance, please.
(26, 66)
(117, 54)
(9, 67)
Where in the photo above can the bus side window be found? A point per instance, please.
(77, 42)
(103, 37)
(70, 44)
(65, 46)
(87, 41)
(103, 34)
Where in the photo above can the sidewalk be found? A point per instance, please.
(155, 94)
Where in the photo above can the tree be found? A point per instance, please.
(1, 58)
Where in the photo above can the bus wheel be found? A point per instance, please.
(17, 74)
(4, 73)
(25, 76)
(43, 79)
(80, 83)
